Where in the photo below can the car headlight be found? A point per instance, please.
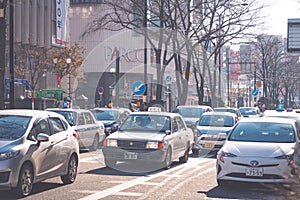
(110, 143)
(225, 154)
(154, 145)
(197, 133)
(289, 158)
(9, 154)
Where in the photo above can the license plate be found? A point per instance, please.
(209, 145)
(130, 155)
(254, 171)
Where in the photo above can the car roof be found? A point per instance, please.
(193, 106)
(219, 113)
(226, 108)
(267, 119)
(27, 112)
(280, 113)
(156, 113)
(68, 109)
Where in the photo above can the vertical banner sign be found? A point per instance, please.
(61, 21)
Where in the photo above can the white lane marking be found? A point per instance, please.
(141, 180)
(133, 194)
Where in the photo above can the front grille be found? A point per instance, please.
(213, 138)
(4, 176)
(248, 165)
(130, 144)
(265, 176)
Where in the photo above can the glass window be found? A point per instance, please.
(88, 118)
(13, 127)
(41, 127)
(57, 125)
(81, 120)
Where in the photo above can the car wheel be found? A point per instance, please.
(72, 171)
(25, 182)
(195, 152)
(185, 157)
(110, 163)
(95, 144)
(168, 159)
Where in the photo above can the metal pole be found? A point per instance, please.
(69, 83)
(228, 76)
(117, 77)
(145, 50)
(11, 55)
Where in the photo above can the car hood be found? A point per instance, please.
(213, 129)
(107, 123)
(136, 135)
(258, 149)
(8, 144)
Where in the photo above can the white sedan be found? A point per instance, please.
(264, 150)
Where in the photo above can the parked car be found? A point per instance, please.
(112, 118)
(90, 131)
(34, 146)
(250, 112)
(261, 150)
(229, 109)
(211, 131)
(192, 113)
(152, 137)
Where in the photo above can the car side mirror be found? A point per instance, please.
(42, 137)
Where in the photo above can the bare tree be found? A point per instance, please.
(182, 25)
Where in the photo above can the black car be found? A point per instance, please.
(112, 118)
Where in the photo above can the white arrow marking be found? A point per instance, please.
(137, 88)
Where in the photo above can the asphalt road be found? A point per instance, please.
(192, 180)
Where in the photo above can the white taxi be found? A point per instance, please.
(150, 137)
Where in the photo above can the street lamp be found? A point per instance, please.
(68, 60)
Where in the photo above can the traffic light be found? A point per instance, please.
(254, 101)
(232, 104)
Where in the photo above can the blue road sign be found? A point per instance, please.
(100, 90)
(168, 79)
(254, 92)
(138, 88)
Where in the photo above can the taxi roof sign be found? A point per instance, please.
(154, 109)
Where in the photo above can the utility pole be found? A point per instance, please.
(228, 75)
(11, 55)
(3, 4)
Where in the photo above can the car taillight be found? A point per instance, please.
(75, 134)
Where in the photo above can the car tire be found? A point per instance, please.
(185, 157)
(72, 171)
(95, 144)
(195, 152)
(110, 163)
(25, 182)
(168, 159)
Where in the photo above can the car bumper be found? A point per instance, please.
(9, 173)
(118, 154)
(269, 170)
(212, 144)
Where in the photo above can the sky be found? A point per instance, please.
(278, 14)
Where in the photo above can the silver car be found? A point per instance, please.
(34, 146)
(90, 131)
(211, 131)
(260, 150)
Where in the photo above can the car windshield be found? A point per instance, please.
(263, 132)
(155, 123)
(248, 111)
(106, 115)
(13, 127)
(70, 116)
(191, 112)
(216, 120)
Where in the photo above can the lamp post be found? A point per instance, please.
(2, 51)
(68, 60)
(11, 55)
